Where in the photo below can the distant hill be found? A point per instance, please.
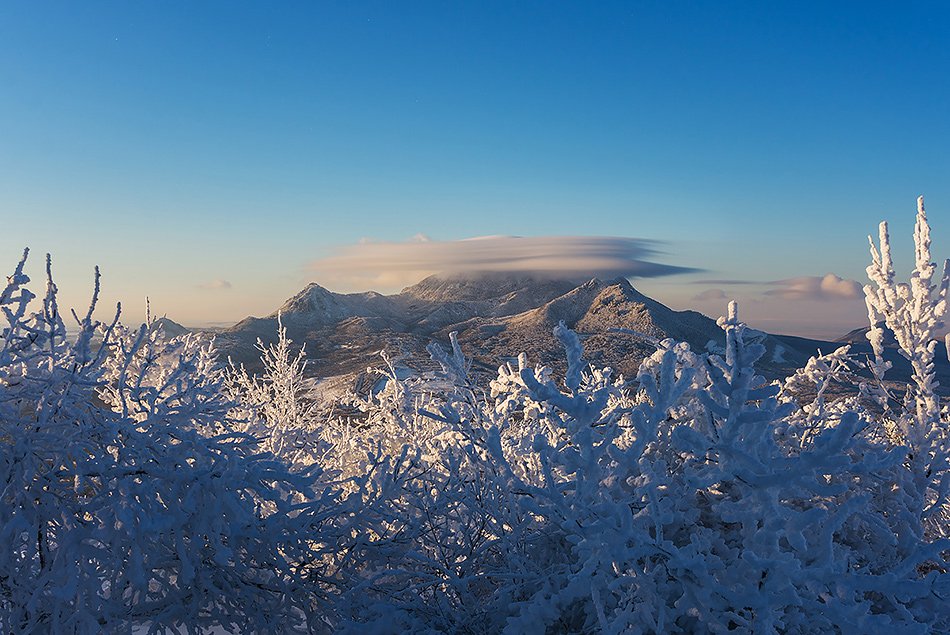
(860, 336)
(169, 327)
(861, 349)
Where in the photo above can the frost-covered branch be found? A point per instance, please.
(914, 312)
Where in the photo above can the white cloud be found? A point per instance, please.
(827, 287)
(215, 285)
(731, 282)
(390, 265)
(710, 294)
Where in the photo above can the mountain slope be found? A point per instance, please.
(496, 316)
(596, 309)
(344, 332)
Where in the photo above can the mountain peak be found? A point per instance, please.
(623, 286)
(168, 326)
(313, 298)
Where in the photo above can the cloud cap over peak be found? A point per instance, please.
(392, 265)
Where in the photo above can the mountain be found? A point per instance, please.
(169, 327)
(497, 317)
(860, 336)
(595, 310)
(346, 331)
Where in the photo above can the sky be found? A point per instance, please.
(218, 156)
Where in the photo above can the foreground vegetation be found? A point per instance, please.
(147, 487)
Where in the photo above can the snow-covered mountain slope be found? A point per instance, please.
(601, 312)
(497, 317)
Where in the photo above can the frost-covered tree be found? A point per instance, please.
(129, 498)
(147, 487)
(679, 507)
(442, 560)
(697, 498)
(914, 312)
(794, 545)
(277, 406)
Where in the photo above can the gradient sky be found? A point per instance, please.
(207, 154)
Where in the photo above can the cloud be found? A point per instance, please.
(710, 294)
(828, 287)
(725, 283)
(215, 285)
(379, 265)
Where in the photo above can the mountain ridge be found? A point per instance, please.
(496, 317)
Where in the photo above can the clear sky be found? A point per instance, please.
(207, 154)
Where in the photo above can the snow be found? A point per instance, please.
(148, 489)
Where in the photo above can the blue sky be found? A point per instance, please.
(179, 145)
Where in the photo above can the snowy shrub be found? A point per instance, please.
(148, 487)
(129, 498)
(699, 498)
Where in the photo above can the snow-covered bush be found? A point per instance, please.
(704, 520)
(700, 498)
(129, 498)
(149, 487)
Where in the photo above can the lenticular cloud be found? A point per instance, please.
(382, 265)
